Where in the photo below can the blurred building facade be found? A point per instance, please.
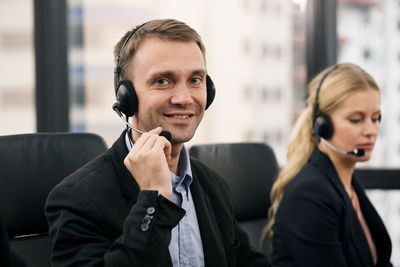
(251, 48)
(369, 35)
(17, 67)
(255, 53)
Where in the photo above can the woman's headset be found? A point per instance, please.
(322, 124)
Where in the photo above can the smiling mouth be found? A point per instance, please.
(179, 116)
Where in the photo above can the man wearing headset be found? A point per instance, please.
(144, 202)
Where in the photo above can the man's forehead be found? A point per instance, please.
(160, 43)
(175, 71)
(159, 56)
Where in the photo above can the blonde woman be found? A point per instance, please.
(320, 215)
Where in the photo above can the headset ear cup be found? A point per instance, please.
(210, 91)
(323, 126)
(127, 98)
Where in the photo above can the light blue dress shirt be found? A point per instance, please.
(186, 247)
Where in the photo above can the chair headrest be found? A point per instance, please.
(31, 165)
(249, 169)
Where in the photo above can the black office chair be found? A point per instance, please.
(379, 178)
(250, 170)
(31, 165)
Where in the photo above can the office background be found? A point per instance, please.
(56, 65)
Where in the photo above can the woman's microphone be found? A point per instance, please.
(359, 152)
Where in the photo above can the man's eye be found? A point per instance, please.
(162, 81)
(195, 80)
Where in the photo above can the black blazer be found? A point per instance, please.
(96, 216)
(316, 224)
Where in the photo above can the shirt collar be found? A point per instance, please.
(128, 141)
(184, 164)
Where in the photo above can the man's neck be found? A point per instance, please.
(175, 154)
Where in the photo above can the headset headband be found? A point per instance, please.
(316, 104)
(117, 70)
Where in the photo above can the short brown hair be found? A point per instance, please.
(168, 29)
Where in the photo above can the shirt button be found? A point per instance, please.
(151, 210)
(186, 260)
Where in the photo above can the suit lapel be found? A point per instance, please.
(209, 230)
(377, 229)
(356, 233)
(128, 185)
(358, 239)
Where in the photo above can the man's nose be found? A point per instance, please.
(181, 95)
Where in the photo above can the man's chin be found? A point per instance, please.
(180, 138)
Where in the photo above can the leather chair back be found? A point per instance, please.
(379, 178)
(31, 165)
(250, 170)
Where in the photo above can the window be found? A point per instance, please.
(264, 51)
(247, 92)
(246, 47)
(246, 5)
(278, 52)
(278, 9)
(362, 24)
(241, 51)
(271, 51)
(264, 94)
(278, 94)
(272, 136)
(264, 6)
(367, 54)
(17, 82)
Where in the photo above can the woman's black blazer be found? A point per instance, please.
(316, 224)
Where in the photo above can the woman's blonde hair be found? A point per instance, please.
(341, 81)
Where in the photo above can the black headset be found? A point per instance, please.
(322, 124)
(127, 101)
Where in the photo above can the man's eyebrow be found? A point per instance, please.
(199, 72)
(161, 74)
(157, 75)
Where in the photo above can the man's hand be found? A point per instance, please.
(147, 162)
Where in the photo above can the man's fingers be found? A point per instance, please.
(144, 137)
